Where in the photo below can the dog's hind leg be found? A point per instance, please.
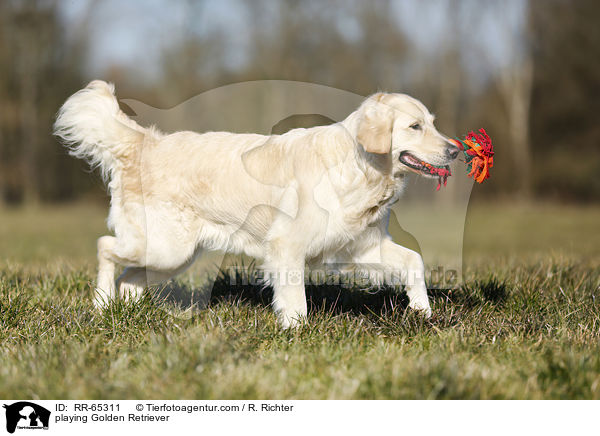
(105, 286)
(113, 251)
(132, 282)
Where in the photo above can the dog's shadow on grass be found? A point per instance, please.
(320, 298)
(326, 298)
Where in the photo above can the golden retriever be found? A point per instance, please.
(308, 196)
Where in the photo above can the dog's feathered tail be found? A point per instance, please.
(93, 127)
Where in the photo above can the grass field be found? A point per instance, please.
(524, 325)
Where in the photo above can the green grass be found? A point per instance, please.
(525, 324)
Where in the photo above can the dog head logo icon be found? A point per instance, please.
(26, 415)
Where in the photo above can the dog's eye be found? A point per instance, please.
(415, 126)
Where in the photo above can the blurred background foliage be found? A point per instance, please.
(527, 71)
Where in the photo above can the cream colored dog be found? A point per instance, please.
(315, 195)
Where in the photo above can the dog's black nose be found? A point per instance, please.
(452, 151)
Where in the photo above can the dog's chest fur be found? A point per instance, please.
(389, 192)
(366, 201)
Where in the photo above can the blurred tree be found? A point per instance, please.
(511, 90)
(566, 98)
(39, 69)
(194, 61)
(307, 41)
(515, 88)
(540, 107)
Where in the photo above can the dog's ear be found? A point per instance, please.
(375, 125)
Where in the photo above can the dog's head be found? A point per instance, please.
(401, 126)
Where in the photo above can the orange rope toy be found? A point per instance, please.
(479, 154)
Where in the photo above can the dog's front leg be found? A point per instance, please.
(286, 275)
(395, 265)
(413, 275)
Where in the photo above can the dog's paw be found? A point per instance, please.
(101, 300)
(289, 321)
(422, 307)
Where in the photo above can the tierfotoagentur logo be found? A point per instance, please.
(352, 275)
(25, 415)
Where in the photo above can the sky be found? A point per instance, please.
(135, 33)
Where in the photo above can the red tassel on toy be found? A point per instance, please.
(479, 154)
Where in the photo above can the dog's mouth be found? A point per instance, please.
(425, 168)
